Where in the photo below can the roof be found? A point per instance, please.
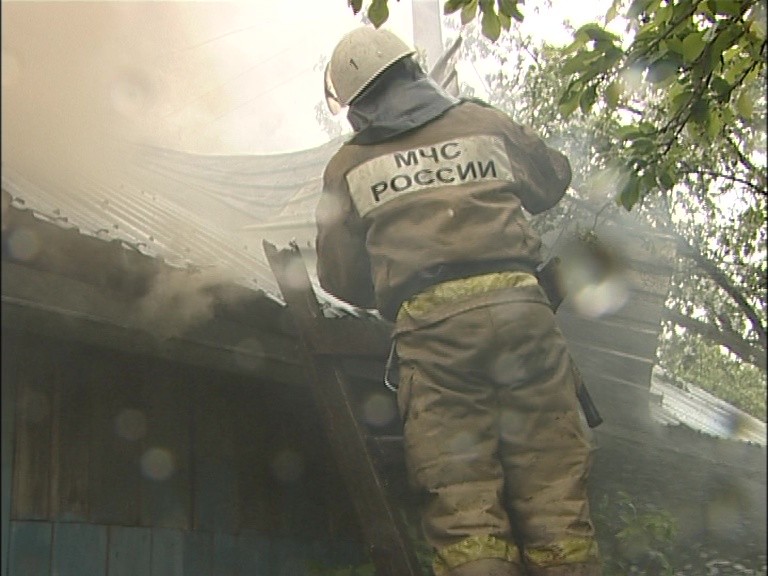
(703, 412)
(188, 210)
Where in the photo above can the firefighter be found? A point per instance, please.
(421, 216)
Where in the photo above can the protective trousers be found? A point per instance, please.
(493, 434)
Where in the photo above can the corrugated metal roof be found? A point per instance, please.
(186, 209)
(701, 411)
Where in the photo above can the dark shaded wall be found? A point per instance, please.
(124, 464)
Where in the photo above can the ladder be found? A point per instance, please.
(325, 343)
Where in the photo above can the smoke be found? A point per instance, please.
(179, 300)
(80, 76)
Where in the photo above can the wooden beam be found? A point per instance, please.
(389, 544)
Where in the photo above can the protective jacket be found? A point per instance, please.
(437, 203)
(422, 216)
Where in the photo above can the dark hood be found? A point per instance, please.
(401, 99)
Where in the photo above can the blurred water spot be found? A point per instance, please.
(157, 464)
(462, 442)
(131, 424)
(249, 354)
(606, 297)
(23, 244)
(130, 93)
(34, 406)
(510, 424)
(726, 506)
(295, 275)
(506, 368)
(332, 211)
(287, 466)
(10, 68)
(632, 78)
(379, 409)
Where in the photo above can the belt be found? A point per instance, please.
(443, 273)
(453, 290)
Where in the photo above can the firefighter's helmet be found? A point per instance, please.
(359, 57)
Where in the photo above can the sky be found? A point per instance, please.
(221, 77)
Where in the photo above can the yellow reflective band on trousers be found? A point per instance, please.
(453, 290)
(570, 551)
(474, 548)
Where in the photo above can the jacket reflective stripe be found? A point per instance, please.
(474, 548)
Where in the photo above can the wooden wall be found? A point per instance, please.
(616, 350)
(125, 465)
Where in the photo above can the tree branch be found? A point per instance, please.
(719, 277)
(687, 169)
(754, 355)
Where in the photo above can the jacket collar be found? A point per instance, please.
(401, 99)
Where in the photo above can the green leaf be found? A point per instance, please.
(569, 101)
(643, 145)
(700, 111)
(506, 21)
(744, 106)
(714, 124)
(356, 5)
(693, 44)
(666, 177)
(613, 11)
(637, 7)
(491, 24)
(452, 6)
(726, 7)
(721, 88)
(378, 12)
(579, 41)
(662, 69)
(594, 31)
(630, 194)
(588, 98)
(509, 8)
(674, 44)
(628, 132)
(680, 101)
(578, 62)
(612, 94)
(469, 12)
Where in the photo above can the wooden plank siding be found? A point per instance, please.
(166, 486)
(239, 465)
(115, 451)
(79, 550)
(70, 445)
(30, 549)
(129, 551)
(32, 453)
(8, 403)
(215, 480)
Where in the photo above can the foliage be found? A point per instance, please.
(634, 538)
(493, 15)
(677, 107)
(704, 61)
(692, 359)
(716, 222)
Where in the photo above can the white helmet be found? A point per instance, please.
(359, 57)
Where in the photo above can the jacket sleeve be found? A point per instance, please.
(546, 173)
(343, 266)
